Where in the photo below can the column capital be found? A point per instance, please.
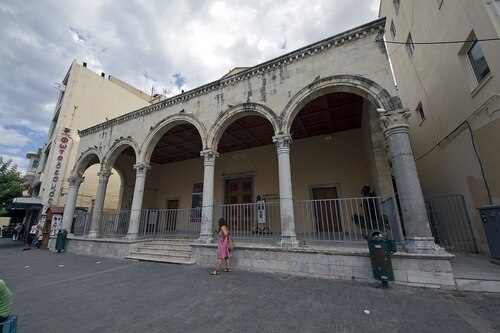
(282, 140)
(103, 175)
(141, 168)
(209, 154)
(75, 181)
(389, 120)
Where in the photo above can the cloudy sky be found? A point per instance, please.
(167, 45)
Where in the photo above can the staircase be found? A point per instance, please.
(174, 251)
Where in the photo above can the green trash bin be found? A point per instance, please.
(381, 250)
(61, 240)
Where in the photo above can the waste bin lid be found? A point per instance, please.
(376, 235)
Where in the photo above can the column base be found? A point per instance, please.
(288, 242)
(131, 237)
(93, 234)
(422, 245)
(205, 239)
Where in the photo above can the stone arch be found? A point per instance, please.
(358, 85)
(83, 162)
(115, 150)
(157, 131)
(236, 112)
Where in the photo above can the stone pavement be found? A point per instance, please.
(61, 292)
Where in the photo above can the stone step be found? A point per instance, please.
(161, 258)
(174, 254)
(164, 247)
(492, 286)
(176, 251)
(170, 241)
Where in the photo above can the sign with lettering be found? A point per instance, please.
(62, 146)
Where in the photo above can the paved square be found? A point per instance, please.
(61, 292)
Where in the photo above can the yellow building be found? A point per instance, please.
(85, 99)
(445, 56)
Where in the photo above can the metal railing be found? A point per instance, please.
(114, 224)
(450, 223)
(82, 224)
(346, 220)
(170, 223)
(251, 220)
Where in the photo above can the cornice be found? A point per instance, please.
(286, 59)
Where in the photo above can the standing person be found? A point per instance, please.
(17, 231)
(21, 232)
(39, 234)
(31, 235)
(5, 301)
(223, 251)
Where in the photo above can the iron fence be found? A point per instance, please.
(346, 219)
(450, 223)
(114, 224)
(251, 220)
(170, 223)
(82, 224)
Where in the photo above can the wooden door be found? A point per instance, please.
(325, 210)
(171, 216)
(239, 192)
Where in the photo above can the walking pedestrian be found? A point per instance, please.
(31, 235)
(223, 251)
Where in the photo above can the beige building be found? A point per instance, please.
(85, 99)
(446, 60)
(292, 153)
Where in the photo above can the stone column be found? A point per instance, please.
(135, 211)
(418, 232)
(69, 208)
(207, 211)
(288, 237)
(95, 223)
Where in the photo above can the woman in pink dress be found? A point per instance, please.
(223, 251)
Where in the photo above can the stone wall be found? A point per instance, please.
(337, 263)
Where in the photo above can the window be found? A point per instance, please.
(409, 44)
(396, 5)
(35, 165)
(477, 61)
(420, 112)
(393, 30)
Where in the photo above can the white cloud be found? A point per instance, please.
(12, 138)
(200, 40)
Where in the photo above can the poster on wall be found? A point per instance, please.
(56, 224)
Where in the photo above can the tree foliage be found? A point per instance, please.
(12, 185)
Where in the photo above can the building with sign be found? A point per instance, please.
(445, 56)
(317, 139)
(85, 99)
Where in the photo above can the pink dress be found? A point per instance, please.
(222, 247)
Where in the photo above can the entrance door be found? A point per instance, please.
(171, 216)
(238, 209)
(325, 210)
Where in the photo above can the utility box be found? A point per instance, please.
(490, 216)
(381, 250)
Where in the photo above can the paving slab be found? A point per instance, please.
(62, 292)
